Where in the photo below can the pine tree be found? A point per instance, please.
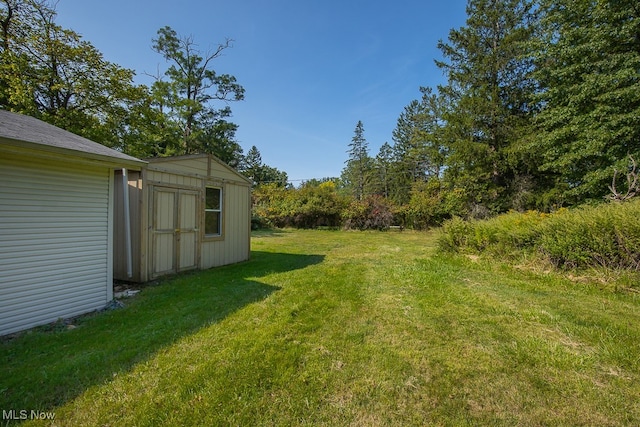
(587, 59)
(418, 146)
(488, 90)
(356, 173)
(252, 165)
(383, 170)
(259, 173)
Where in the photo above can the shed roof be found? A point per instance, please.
(19, 128)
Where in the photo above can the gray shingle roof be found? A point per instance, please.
(19, 127)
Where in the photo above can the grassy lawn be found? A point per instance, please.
(337, 328)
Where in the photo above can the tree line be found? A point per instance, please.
(51, 73)
(540, 110)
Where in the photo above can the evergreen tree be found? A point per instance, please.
(489, 88)
(252, 165)
(356, 173)
(418, 146)
(382, 178)
(253, 168)
(587, 59)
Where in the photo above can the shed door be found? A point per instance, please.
(174, 230)
(187, 230)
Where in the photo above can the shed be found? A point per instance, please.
(186, 212)
(56, 222)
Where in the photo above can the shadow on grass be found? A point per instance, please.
(42, 370)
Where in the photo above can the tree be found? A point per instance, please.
(218, 138)
(382, 177)
(418, 147)
(310, 206)
(13, 18)
(187, 99)
(587, 58)
(358, 166)
(259, 173)
(252, 165)
(489, 89)
(51, 73)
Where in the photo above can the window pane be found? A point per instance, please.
(213, 198)
(212, 222)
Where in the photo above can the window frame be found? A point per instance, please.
(220, 212)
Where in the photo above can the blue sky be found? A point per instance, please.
(311, 69)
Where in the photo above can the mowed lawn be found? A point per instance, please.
(341, 328)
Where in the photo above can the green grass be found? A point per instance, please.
(342, 328)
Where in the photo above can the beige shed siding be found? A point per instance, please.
(172, 179)
(191, 172)
(53, 241)
(158, 248)
(235, 245)
(196, 165)
(222, 171)
(199, 166)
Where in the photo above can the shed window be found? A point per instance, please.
(213, 212)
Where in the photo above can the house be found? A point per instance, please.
(185, 213)
(56, 222)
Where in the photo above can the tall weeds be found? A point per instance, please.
(607, 236)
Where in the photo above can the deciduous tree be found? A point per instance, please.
(51, 73)
(187, 99)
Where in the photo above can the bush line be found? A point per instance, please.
(606, 235)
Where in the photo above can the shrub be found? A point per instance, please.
(501, 235)
(455, 235)
(371, 213)
(430, 205)
(606, 235)
(305, 207)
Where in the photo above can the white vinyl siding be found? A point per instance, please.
(54, 228)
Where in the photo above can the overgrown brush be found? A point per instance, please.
(370, 213)
(607, 236)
